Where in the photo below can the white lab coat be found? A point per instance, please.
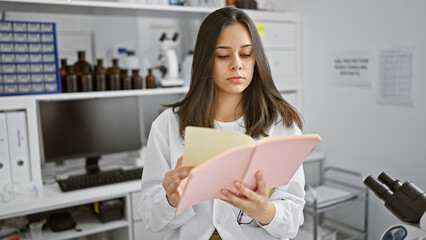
(198, 222)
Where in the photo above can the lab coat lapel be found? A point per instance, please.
(221, 209)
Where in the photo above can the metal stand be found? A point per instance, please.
(334, 192)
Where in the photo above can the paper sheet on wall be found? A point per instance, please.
(395, 77)
(351, 68)
(260, 26)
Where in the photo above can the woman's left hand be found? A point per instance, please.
(255, 204)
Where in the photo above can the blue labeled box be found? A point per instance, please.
(28, 58)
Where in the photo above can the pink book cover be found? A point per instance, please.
(277, 157)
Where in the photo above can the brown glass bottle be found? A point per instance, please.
(125, 80)
(81, 63)
(136, 79)
(99, 76)
(100, 66)
(114, 76)
(86, 80)
(63, 69)
(63, 73)
(70, 80)
(150, 79)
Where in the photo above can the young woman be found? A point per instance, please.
(231, 89)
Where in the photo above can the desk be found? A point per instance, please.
(50, 197)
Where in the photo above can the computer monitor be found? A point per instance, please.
(89, 128)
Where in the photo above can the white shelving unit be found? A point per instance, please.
(51, 198)
(88, 224)
(282, 44)
(281, 36)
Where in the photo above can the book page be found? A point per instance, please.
(279, 158)
(201, 144)
(207, 179)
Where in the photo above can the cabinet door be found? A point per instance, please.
(282, 62)
(141, 233)
(279, 35)
(280, 40)
(283, 65)
(136, 197)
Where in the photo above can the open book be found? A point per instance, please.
(221, 157)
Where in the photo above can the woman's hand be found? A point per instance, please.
(172, 181)
(255, 204)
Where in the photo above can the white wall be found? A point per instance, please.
(358, 133)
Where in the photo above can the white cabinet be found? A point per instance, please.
(280, 34)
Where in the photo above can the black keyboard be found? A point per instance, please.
(99, 179)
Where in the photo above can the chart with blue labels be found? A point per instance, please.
(28, 58)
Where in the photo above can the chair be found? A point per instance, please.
(338, 187)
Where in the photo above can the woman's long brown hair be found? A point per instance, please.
(262, 102)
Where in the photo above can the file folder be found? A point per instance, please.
(5, 176)
(18, 146)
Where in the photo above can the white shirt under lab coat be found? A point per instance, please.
(198, 222)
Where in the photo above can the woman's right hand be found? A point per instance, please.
(172, 181)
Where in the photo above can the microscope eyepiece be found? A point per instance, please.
(175, 37)
(382, 191)
(389, 181)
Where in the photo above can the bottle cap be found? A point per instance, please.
(122, 50)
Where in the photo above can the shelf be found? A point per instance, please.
(103, 94)
(100, 8)
(51, 197)
(88, 223)
(111, 8)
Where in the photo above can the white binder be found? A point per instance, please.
(18, 146)
(5, 176)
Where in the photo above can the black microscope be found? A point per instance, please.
(405, 200)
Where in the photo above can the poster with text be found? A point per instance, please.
(351, 68)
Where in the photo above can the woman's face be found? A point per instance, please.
(234, 60)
